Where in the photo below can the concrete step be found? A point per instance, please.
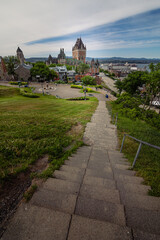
(73, 169)
(98, 165)
(96, 181)
(100, 210)
(59, 185)
(121, 162)
(100, 193)
(79, 159)
(74, 163)
(115, 153)
(90, 229)
(133, 188)
(140, 235)
(32, 222)
(144, 220)
(103, 173)
(139, 201)
(64, 175)
(126, 178)
(124, 172)
(55, 200)
(121, 166)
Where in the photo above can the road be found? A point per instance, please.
(109, 82)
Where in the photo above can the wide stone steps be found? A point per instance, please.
(94, 195)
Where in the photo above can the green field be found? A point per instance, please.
(33, 127)
(148, 162)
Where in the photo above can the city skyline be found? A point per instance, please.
(108, 29)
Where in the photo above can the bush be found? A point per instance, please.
(89, 90)
(78, 99)
(28, 93)
(129, 107)
(17, 83)
(88, 80)
(99, 86)
(76, 86)
(60, 82)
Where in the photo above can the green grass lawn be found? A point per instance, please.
(148, 162)
(33, 127)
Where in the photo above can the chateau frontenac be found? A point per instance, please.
(79, 50)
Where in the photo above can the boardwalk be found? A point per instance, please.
(92, 197)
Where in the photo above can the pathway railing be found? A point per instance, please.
(139, 148)
(114, 118)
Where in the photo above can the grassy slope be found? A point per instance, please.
(148, 162)
(31, 128)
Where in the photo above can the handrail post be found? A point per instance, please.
(113, 118)
(116, 119)
(138, 151)
(123, 142)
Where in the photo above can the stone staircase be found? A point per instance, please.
(93, 196)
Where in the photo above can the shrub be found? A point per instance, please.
(78, 99)
(28, 93)
(99, 86)
(76, 86)
(60, 82)
(17, 83)
(88, 80)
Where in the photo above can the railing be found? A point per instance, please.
(139, 148)
(114, 118)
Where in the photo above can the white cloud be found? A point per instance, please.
(22, 21)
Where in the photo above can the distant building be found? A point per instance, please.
(3, 70)
(94, 67)
(22, 70)
(61, 71)
(20, 56)
(79, 50)
(51, 60)
(62, 56)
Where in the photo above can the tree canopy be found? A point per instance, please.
(11, 62)
(88, 80)
(82, 68)
(43, 71)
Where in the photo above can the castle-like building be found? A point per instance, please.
(79, 50)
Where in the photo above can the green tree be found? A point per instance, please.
(82, 68)
(152, 86)
(11, 62)
(119, 85)
(133, 82)
(43, 71)
(88, 80)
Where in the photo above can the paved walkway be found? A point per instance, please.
(92, 197)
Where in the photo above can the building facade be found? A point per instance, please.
(22, 70)
(79, 51)
(94, 67)
(62, 56)
(20, 56)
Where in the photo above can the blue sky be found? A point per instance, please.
(108, 29)
(135, 36)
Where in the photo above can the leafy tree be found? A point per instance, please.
(11, 62)
(88, 80)
(133, 82)
(119, 85)
(82, 68)
(53, 65)
(43, 71)
(152, 86)
(69, 67)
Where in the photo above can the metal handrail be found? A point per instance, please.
(114, 118)
(139, 148)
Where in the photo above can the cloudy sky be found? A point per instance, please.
(123, 28)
